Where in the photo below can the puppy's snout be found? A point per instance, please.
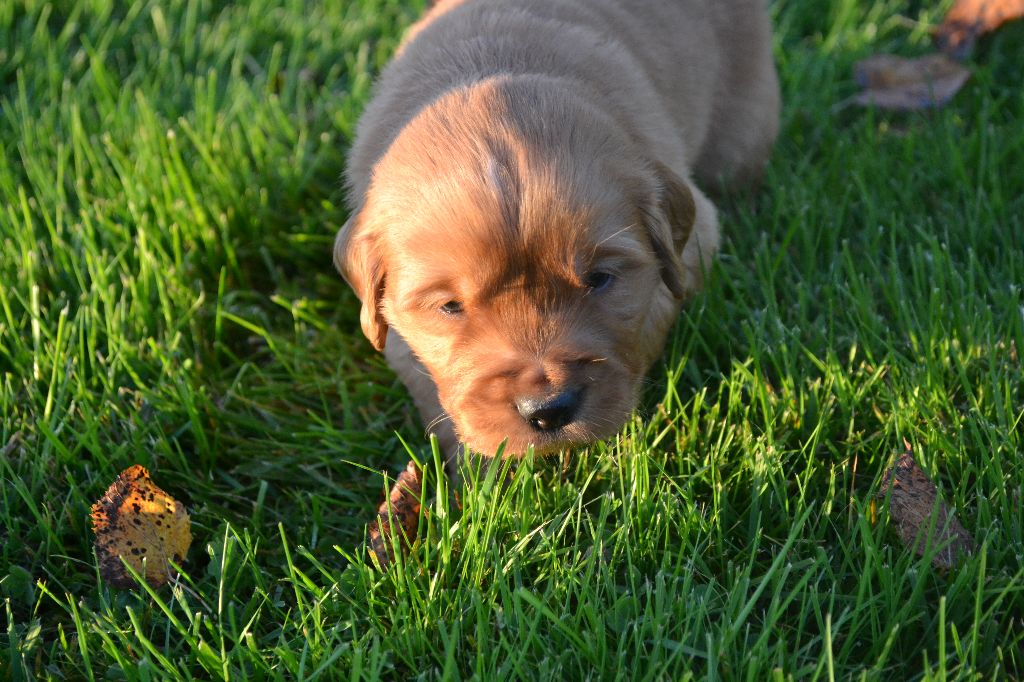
(550, 412)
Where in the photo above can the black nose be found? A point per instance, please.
(551, 412)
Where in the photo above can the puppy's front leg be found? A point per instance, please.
(424, 394)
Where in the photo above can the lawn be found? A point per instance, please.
(169, 192)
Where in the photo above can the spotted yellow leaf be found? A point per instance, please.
(137, 521)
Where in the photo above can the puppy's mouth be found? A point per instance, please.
(579, 407)
(547, 423)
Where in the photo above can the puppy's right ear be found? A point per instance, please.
(358, 258)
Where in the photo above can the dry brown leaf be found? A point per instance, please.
(913, 499)
(968, 20)
(135, 521)
(892, 82)
(402, 507)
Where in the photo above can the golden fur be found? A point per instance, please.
(525, 219)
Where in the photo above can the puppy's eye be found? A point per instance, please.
(452, 308)
(598, 281)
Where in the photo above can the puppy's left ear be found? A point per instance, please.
(357, 257)
(670, 224)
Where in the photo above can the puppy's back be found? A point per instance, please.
(667, 71)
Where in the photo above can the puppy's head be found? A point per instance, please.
(528, 256)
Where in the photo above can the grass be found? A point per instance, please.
(169, 191)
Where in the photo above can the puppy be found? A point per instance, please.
(526, 223)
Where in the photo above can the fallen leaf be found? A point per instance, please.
(140, 523)
(968, 20)
(892, 82)
(401, 506)
(922, 519)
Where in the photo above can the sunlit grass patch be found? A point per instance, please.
(169, 192)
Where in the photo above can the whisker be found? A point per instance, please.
(437, 421)
(613, 235)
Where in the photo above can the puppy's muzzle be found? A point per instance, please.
(552, 412)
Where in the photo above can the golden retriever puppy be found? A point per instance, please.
(526, 223)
